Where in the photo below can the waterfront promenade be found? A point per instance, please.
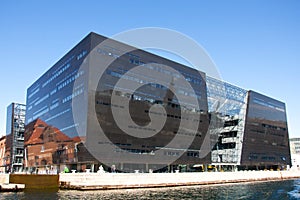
(104, 181)
(5, 185)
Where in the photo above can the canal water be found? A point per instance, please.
(280, 190)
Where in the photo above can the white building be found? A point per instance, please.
(295, 152)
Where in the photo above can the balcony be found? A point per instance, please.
(229, 140)
(19, 155)
(20, 138)
(18, 163)
(229, 129)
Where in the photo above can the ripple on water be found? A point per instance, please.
(295, 193)
(280, 190)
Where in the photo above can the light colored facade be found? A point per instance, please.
(295, 152)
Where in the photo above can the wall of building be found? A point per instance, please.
(295, 152)
(2, 154)
(50, 97)
(15, 136)
(4, 178)
(266, 139)
(69, 102)
(229, 102)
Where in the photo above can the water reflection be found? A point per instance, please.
(264, 190)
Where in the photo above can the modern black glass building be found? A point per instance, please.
(139, 111)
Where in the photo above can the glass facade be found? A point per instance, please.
(9, 119)
(152, 90)
(110, 94)
(266, 142)
(64, 88)
(232, 110)
(50, 97)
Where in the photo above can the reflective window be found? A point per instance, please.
(266, 133)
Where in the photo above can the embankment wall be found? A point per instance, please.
(93, 181)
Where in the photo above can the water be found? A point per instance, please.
(280, 190)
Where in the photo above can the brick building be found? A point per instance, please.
(2, 154)
(46, 147)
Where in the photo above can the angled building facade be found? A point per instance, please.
(86, 92)
(266, 140)
(228, 144)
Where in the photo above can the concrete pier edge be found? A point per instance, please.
(108, 181)
(111, 181)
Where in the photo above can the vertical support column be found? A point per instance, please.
(205, 167)
(169, 168)
(121, 166)
(234, 168)
(147, 167)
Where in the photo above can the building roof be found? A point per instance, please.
(3, 138)
(79, 139)
(39, 132)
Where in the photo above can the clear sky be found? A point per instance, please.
(255, 44)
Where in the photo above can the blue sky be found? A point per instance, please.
(255, 44)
